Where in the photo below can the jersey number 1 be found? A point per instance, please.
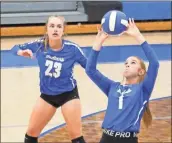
(57, 67)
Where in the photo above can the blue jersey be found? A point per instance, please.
(56, 67)
(126, 103)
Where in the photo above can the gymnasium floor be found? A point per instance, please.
(20, 90)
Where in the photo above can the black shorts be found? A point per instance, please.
(59, 100)
(118, 137)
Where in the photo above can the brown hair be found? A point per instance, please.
(46, 39)
(147, 116)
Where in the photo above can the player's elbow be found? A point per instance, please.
(89, 71)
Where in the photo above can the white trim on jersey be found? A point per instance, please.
(35, 41)
(72, 78)
(140, 112)
(68, 43)
(72, 82)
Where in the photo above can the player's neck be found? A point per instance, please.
(55, 44)
(133, 80)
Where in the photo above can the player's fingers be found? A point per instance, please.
(130, 22)
(29, 52)
(133, 21)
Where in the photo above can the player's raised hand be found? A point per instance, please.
(133, 31)
(100, 38)
(101, 35)
(25, 53)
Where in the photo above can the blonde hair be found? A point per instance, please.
(147, 116)
(46, 39)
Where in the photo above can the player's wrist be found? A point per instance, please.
(140, 38)
(19, 52)
(97, 46)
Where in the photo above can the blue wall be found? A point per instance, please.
(148, 10)
(108, 54)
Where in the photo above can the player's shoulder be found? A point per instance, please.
(71, 44)
(40, 40)
(33, 42)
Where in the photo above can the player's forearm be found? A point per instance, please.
(150, 54)
(92, 61)
(140, 38)
(97, 46)
(97, 77)
(153, 67)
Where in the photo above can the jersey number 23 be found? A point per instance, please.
(53, 65)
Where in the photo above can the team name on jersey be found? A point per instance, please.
(55, 58)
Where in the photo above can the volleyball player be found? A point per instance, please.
(56, 59)
(127, 100)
